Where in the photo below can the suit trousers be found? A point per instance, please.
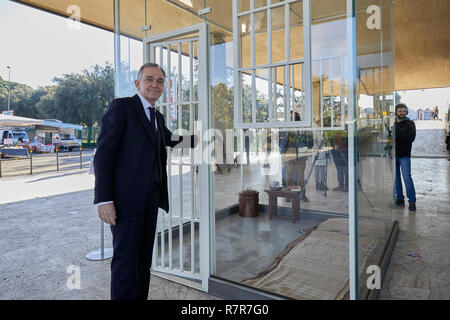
(133, 238)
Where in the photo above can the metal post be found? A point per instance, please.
(102, 253)
(57, 159)
(0, 164)
(117, 46)
(81, 161)
(9, 87)
(31, 161)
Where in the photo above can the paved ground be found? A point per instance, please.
(48, 224)
(420, 263)
(430, 140)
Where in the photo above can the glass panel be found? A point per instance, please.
(297, 95)
(244, 5)
(261, 37)
(259, 3)
(245, 27)
(296, 30)
(262, 95)
(278, 35)
(280, 94)
(130, 49)
(374, 50)
(246, 87)
(164, 16)
(221, 17)
(276, 1)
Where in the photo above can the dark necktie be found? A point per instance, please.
(152, 118)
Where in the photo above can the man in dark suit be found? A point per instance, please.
(131, 180)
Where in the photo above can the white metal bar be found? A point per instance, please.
(293, 88)
(169, 153)
(172, 34)
(332, 92)
(117, 47)
(161, 219)
(308, 60)
(282, 63)
(342, 91)
(183, 274)
(180, 166)
(254, 111)
(274, 94)
(286, 116)
(269, 61)
(191, 152)
(253, 61)
(252, 41)
(255, 10)
(175, 41)
(288, 124)
(237, 65)
(241, 152)
(321, 91)
(270, 65)
(205, 183)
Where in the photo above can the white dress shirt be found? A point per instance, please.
(146, 105)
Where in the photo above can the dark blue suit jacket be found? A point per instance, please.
(128, 157)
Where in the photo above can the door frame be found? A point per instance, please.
(202, 30)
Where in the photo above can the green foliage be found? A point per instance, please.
(21, 98)
(83, 98)
(75, 98)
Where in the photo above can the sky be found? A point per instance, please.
(40, 46)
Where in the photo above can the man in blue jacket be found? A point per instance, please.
(405, 133)
(131, 180)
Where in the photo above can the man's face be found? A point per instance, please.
(151, 84)
(401, 113)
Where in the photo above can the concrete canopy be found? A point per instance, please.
(422, 40)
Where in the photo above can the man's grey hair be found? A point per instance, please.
(149, 65)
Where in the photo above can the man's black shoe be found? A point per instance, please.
(400, 202)
(412, 206)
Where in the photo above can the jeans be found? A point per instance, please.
(404, 165)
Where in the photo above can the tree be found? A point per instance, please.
(20, 95)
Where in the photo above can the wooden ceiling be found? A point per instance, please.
(422, 37)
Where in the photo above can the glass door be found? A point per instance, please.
(182, 240)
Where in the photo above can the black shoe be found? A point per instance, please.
(400, 202)
(412, 206)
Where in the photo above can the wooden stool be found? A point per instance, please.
(273, 202)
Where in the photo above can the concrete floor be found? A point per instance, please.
(48, 224)
(420, 263)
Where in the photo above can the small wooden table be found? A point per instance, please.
(273, 202)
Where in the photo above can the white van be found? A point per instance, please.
(10, 137)
(6, 137)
